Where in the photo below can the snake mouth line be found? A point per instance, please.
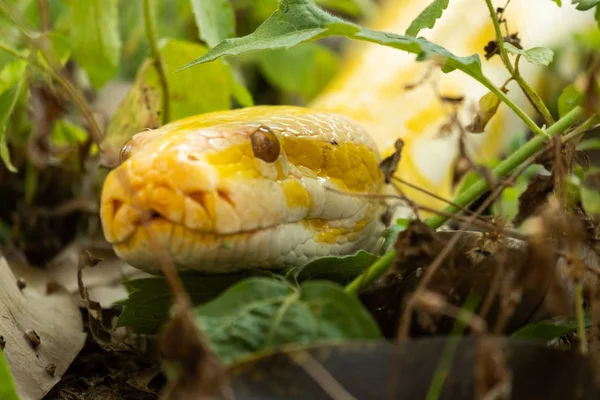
(148, 220)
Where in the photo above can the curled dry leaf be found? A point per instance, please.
(488, 105)
(39, 329)
(534, 197)
(389, 164)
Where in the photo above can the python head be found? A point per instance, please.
(259, 187)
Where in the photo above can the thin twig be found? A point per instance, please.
(44, 15)
(158, 61)
(532, 96)
(473, 192)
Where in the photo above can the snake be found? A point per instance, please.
(274, 186)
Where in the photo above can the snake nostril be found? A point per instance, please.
(116, 205)
(198, 197)
(225, 196)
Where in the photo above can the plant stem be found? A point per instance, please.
(472, 193)
(530, 123)
(158, 61)
(531, 95)
(580, 315)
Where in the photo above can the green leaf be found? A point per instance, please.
(588, 144)
(352, 8)
(536, 55)
(425, 50)
(95, 38)
(12, 74)
(550, 329)
(558, 2)
(7, 387)
(147, 306)
(338, 269)
(590, 193)
(66, 133)
(294, 22)
(298, 21)
(258, 314)
(392, 233)
(570, 98)
(191, 92)
(304, 69)
(8, 99)
(215, 20)
(584, 5)
(150, 299)
(428, 17)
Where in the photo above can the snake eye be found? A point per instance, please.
(126, 151)
(265, 144)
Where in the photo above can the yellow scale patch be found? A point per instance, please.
(349, 166)
(296, 194)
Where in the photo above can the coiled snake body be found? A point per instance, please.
(250, 188)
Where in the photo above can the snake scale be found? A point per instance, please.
(276, 186)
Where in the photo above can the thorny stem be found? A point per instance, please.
(158, 61)
(472, 193)
(531, 95)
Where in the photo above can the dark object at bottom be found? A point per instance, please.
(383, 370)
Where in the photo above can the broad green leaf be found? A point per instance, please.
(66, 133)
(338, 269)
(61, 47)
(428, 17)
(352, 8)
(536, 55)
(258, 314)
(8, 99)
(425, 50)
(508, 203)
(95, 38)
(558, 2)
(298, 21)
(12, 74)
(392, 233)
(240, 92)
(588, 144)
(304, 69)
(550, 329)
(147, 306)
(7, 387)
(294, 22)
(215, 20)
(150, 299)
(590, 193)
(569, 99)
(191, 92)
(583, 5)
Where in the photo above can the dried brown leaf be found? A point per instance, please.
(389, 164)
(534, 197)
(56, 320)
